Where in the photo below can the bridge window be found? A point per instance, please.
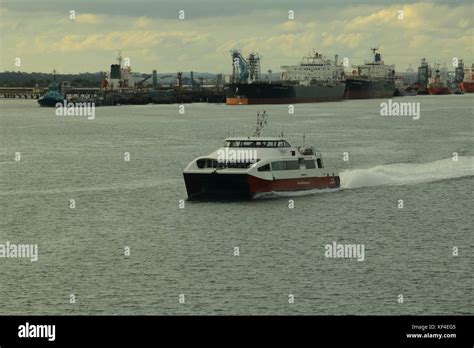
(257, 143)
(265, 168)
(310, 164)
(285, 165)
(283, 143)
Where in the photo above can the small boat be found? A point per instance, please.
(249, 166)
(439, 85)
(53, 95)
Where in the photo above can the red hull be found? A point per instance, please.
(468, 87)
(259, 101)
(439, 90)
(258, 185)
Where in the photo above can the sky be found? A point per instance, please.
(46, 35)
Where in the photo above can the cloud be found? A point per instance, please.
(153, 37)
(89, 18)
(117, 40)
(143, 22)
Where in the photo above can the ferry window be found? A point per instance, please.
(320, 163)
(310, 164)
(265, 168)
(201, 163)
(292, 165)
(248, 144)
(279, 165)
(258, 144)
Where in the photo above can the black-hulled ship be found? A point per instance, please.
(371, 80)
(315, 79)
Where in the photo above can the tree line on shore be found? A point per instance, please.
(37, 79)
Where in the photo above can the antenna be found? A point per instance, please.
(261, 122)
(119, 58)
(304, 137)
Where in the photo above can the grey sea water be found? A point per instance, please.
(190, 251)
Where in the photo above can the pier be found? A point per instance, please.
(36, 92)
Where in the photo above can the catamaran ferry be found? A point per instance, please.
(249, 166)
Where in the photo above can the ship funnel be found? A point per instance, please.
(155, 80)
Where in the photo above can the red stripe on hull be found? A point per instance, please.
(258, 185)
(257, 101)
(468, 87)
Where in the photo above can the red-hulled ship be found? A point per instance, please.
(249, 166)
(439, 84)
(467, 85)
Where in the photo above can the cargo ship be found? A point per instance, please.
(467, 85)
(121, 87)
(314, 79)
(424, 74)
(248, 167)
(373, 79)
(439, 84)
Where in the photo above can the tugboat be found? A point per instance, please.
(439, 84)
(250, 166)
(53, 95)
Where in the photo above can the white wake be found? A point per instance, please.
(408, 173)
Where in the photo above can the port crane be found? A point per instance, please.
(245, 70)
(140, 84)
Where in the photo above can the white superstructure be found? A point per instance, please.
(315, 67)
